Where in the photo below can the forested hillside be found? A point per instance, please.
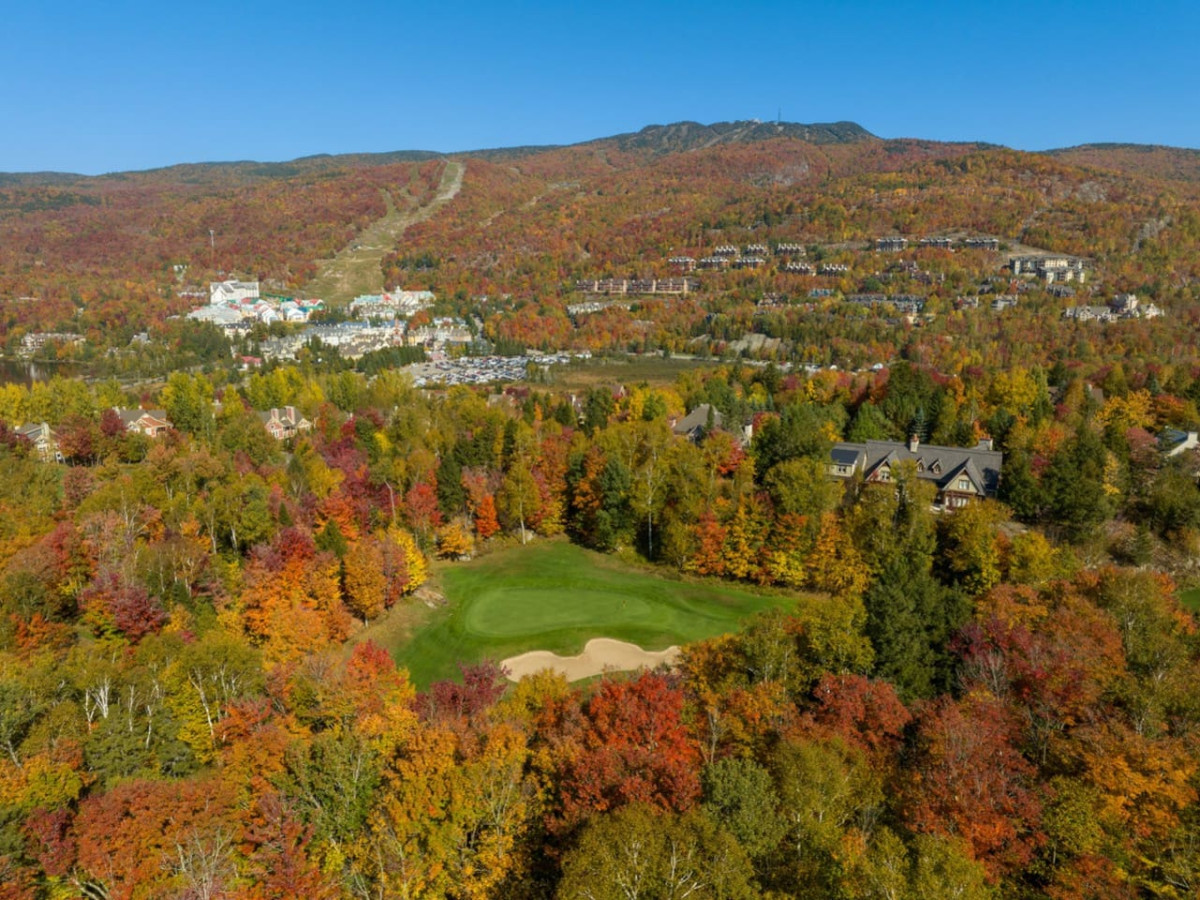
(205, 634)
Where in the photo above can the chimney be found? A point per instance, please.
(914, 441)
(984, 444)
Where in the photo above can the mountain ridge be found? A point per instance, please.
(655, 139)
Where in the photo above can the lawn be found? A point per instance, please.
(552, 595)
(1190, 599)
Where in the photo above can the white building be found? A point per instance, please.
(232, 291)
(221, 316)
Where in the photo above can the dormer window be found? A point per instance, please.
(920, 466)
(964, 484)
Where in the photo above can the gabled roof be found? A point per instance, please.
(968, 468)
(132, 416)
(844, 455)
(981, 464)
(697, 418)
(34, 431)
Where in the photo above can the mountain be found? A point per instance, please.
(660, 139)
(1154, 161)
(525, 221)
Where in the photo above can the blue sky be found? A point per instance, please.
(90, 87)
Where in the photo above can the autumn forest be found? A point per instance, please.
(203, 633)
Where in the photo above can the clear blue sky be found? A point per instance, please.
(95, 87)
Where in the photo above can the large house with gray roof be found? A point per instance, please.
(960, 473)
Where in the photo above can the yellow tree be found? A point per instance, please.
(404, 565)
(454, 541)
(971, 546)
(364, 580)
(834, 565)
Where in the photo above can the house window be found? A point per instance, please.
(885, 474)
(964, 484)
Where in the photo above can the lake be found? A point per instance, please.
(26, 372)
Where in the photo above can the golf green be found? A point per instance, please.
(553, 595)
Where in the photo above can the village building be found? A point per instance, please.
(637, 285)
(749, 262)
(938, 243)
(1051, 269)
(232, 291)
(798, 268)
(391, 303)
(219, 315)
(37, 341)
(981, 243)
(1123, 306)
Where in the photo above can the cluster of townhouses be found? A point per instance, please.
(907, 304)
(237, 305)
(281, 424)
(636, 285)
(150, 422)
(1122, 306)
(352, 339)
(729, 256)
(1050, 269)
(395, 304)
(355, 339)
(36, 342)
(897, 244)
(997, 302)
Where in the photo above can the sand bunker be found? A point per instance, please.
(599, 655)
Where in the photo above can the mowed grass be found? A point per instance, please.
(552, 595)
(651, 369)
